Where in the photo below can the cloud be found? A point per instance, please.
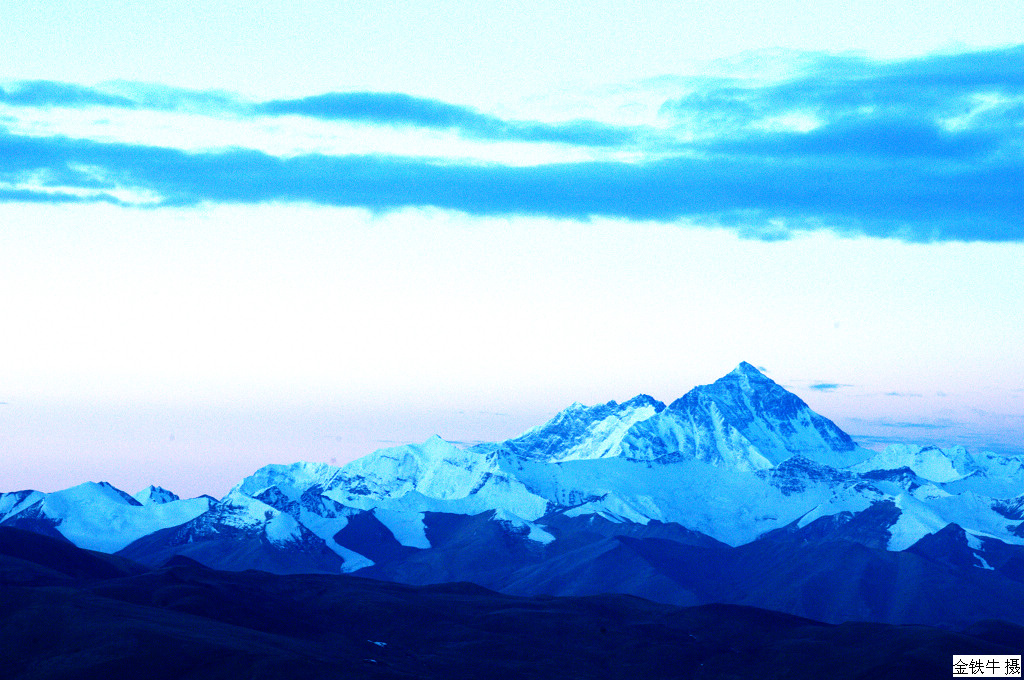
(827, 387)
(372, 108)
(941, 424)
(45, 93)
(941, 435)
(923, 124)
(914, 426)
(123, 95)
(922, 150)
(8, 195)
(887, 137)
(903, 394)
(166, 98)
(392, 108)
(960, 107)
(921, 203)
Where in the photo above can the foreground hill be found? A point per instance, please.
(70, 613)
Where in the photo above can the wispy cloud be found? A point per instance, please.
(371, 108)
(465, 444)
(940, 424)
(942, 435)
(827, 387)
(389, 108)
(45, 93)
(920, 150)
(159, 97)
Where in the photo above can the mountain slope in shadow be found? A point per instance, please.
(182, 620)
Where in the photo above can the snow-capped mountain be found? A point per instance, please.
(95, 516)
(928, 462)
(732, 460)
(583, 432)
(738, 463)
(745, 419)
(240, 532)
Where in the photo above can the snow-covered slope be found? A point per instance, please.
(436, 476)
(745, 412)
(97, 516)
(928, 462)
(743, 421)
(240, 532)
(583, 432)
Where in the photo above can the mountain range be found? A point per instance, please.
(737, 492)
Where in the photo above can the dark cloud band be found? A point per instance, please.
(920, 150)
(912, 200)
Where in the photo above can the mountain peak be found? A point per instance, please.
(747, 372)
(642, 400)
(748, 368)
(584, 432)
(741, 384)
(155, 495)
(750, 407)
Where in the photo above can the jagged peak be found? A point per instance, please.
(156, 494)
(639, 401)
(642, 400)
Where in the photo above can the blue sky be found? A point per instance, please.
(304, 232)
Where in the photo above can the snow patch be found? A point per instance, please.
(853, 503)
(534, 532)
(407, 527)
(915, 522)
(282, 528)
(353, 561)
(611, 507)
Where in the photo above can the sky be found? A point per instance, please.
(241, 233)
